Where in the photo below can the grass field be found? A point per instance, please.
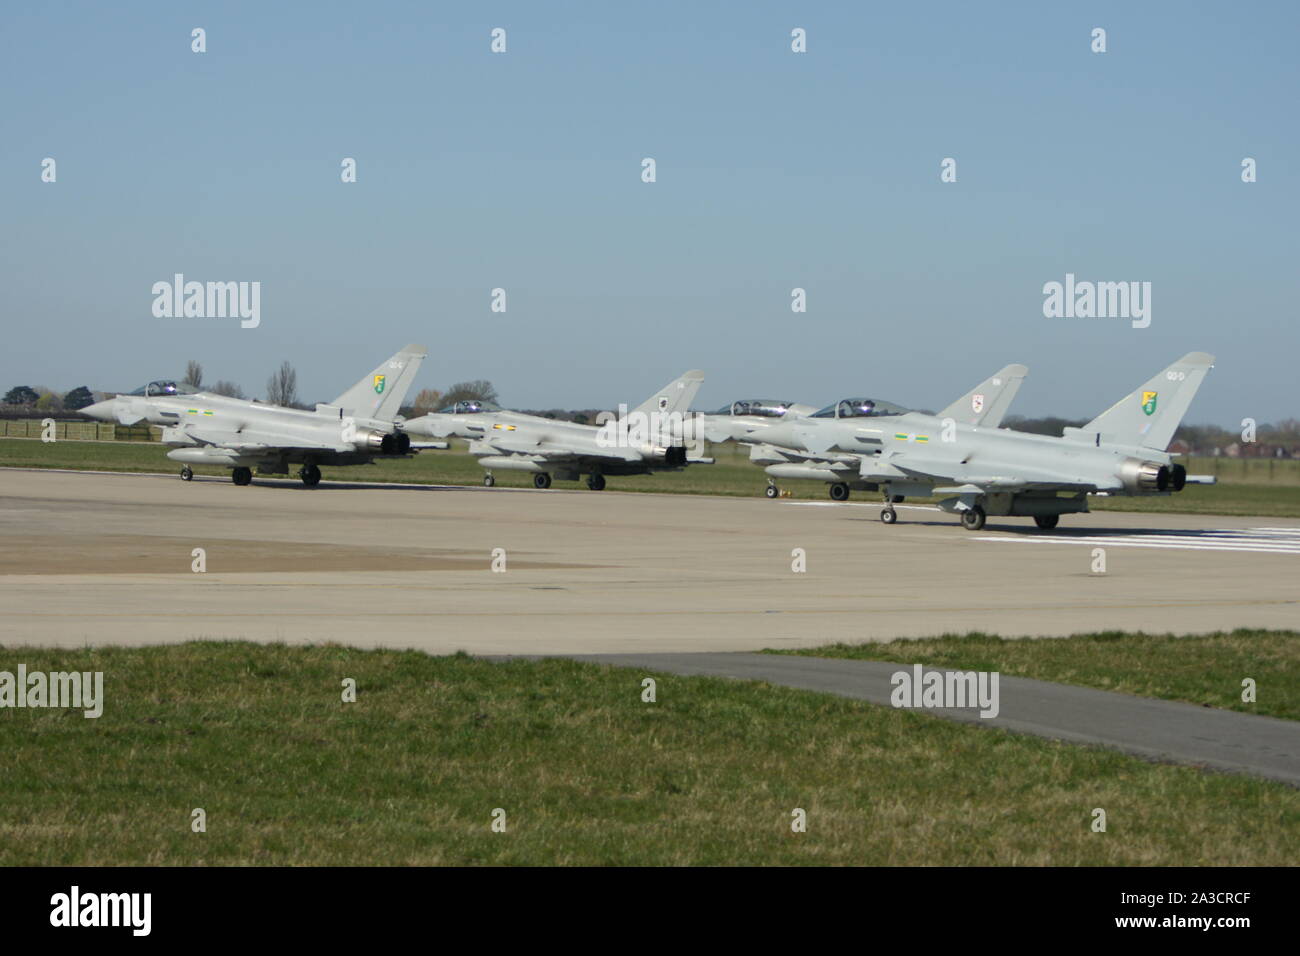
(585, 771)
(1205, 669)
(1248, 487)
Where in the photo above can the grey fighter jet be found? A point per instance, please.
(359, 426)
(995, 471)
(655, 436)
(784, 455)
(741, 421)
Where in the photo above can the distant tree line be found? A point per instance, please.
(432, 400)
(194, 376)
(42, 399)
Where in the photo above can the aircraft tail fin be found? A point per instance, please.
(676, 396)
(381, 393)
(987, 402)
(1149, 416)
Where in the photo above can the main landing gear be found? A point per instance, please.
(771, 490)
(541, 480)
(242, 476)
(310, 475)
(972, 519)
(187, 473)
(596, 482)
(839, 491)
(489, 480)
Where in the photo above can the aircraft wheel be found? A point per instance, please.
(771, 491)
(888, 515)
(489, 480)
(839, 491)
(1047, 522)
(541, 480)
(973, 519)
(187, 473)
(310, 475)
(242, 476)
(596, 482)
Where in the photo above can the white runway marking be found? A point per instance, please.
(1258, 540)
(859, 504)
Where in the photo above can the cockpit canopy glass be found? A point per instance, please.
(469, 407)
(165, 387)
(860, 408)
(760, 407)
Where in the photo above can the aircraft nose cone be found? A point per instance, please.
(104, 411)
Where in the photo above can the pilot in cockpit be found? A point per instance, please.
(165, 387)
(472, 406)
(857, 408)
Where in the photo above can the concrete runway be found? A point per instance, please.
(102, 558)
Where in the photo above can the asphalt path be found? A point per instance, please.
(1154, 729)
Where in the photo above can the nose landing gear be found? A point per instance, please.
(887, 514)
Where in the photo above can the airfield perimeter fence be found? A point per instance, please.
(79, 430)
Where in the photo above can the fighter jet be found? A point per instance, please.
(653, 437)
(359, 426)
(996, 471)
(741, 421)
(778, 444)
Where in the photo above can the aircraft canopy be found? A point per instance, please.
(860, 408)
(470, 407)
(759, 407)
(165, 387)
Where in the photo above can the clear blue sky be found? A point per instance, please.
(775, 170)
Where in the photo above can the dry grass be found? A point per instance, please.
(586, 772)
